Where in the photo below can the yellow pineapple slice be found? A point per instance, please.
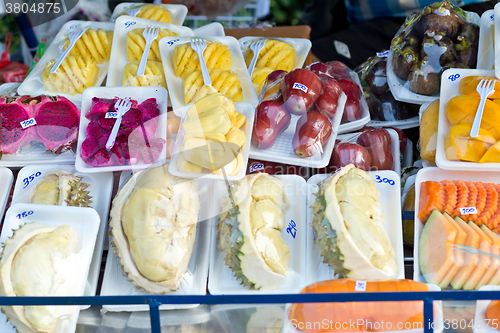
(136, 44)
(153, 12)
(225, 82)
(95, 44)
(153, 75)
(275, 54)
(185, 61)
(73, 76)
(259, 76)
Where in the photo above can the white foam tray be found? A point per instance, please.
(6, 179)
(449, 89)
(436, 174)
(221, 280)
(195, 278)
(408, 155)
(243, 108)
(390, 200)
(178, 12)
(396, 165)
(210, 30)
(101, 186)
(123, 25)
(401, 124)
(139, 94)
(302, 47)
(486, 51)
(85, 222)
(288, 326)
(33, 84)
(174, 83)
(481, 325)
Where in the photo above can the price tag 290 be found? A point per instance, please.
(28, 123)
(292, 228)
(468, 210)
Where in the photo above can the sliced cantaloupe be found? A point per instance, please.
(436, 255)
(483, 263)
(490, 205)
(450, 190)
(480, 201)
(459, 256)
(470, 260)
(462, 197)
(432, 196)
(493, 273)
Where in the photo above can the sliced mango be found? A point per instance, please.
(459, 146)
(492, 155)
(468, 85)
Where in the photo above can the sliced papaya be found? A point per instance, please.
(470, 260)
(480, 202)
(472, 198)
(484, 261)
(492, 155)
(490, 206)
(494, 220)
(492, 276)
(468, 85)
(451, 196)
(459, 260)
(432, 196)
(462, 197)
(436, 255)
(459, 146)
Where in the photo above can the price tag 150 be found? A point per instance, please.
(24, 214)
(28, 180)
(468, 210)
(378, 179)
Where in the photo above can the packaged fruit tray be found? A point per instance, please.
(445, 199)
(496, 16)
(85, 221)
(465, 106)
(481, 323)
(238, 66)
(210, 30)
(245, 109)
(401, 124)
(119, 51)
(100, 188)
(195, 278)
(149, 142)
(431, 126)
(222, 280)
(388, 184)
(33, 85)
(486, 52)
(178, 12)
(6, 179)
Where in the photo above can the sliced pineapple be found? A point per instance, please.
(153, 12)
(275, 54)
(73, 76)
(95, 44)
(153, 75)
(259, 76)
(185, 61)
(136, 44)
(225, 82)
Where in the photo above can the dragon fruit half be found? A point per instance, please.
(14, 110)
(57, 120)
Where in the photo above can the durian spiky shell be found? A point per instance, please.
(15, 314)
(72, 191)
(120, 243)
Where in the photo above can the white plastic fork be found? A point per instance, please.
(121, 106)
(73, 37)
(473, 250)
(199, 45)
(484, 88)
(133, 11)
(149, 34)
(256, 47)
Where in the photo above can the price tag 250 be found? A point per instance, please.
(28, 180)
(378, 179)
(24, 214)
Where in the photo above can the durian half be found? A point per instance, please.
(61, 188)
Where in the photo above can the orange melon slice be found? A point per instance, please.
(495, 278)
(490, 206)
(480, 201)
(462, 196)
(451, 196)
(432, 196)
(484, 262)
(494, 220)
(470, 260)
(458, 255)
(436, 256)
(473, 195)
(495, 263)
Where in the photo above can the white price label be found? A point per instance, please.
(384, 54)
(468, 210)
(28, 123)
(300, 86)
(360, 286)
(111, 115)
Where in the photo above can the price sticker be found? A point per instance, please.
(111, 115)
(28, 180)
(378, 179)
(384, 54)
(453, 78)
(360, 286)
(468, 210)
(24, 214)
(28, 123)
(256, 167)
(292, 230)
(300, 86)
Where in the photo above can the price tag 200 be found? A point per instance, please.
(111, 115)
(468, 210)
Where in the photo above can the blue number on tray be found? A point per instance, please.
(384, 180)
(24, 214)
(28, 180)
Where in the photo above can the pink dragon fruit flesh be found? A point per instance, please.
(132, 118)
(12, 112)
(98, 111)
(149, 109)
(57, 121)
(143, 133)
(104, 158)
(149, 151)
(90, 146)
(124, 130)
(107, 123)
(95, 130)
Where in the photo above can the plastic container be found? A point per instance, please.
(9, 88)
(33, 84)
(243, 108)
(85, 221)
(481, 324)
(449, 89)
(365, 112)
(424, 107)
(210, 30)
(138, 94)
(221, 279)
(390, 200)
(169, 319)
(195, 278)
(408, 155)
(289, 327)
(301, 46)
(6, 179)
(174, 83)
(124, 25)
(436, 174)
(101, 186)
(178, 12)
(486, 52)
(401, 124)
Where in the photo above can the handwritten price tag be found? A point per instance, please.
(453, 78)
(28, 123)
(256, 167)
(292, 230)
(360, 286)
(111, 115)
(378, 179)
(24, 214)
(28, 180)
(468, 210)
(300, 86)
(171, 42)
(383, 54)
